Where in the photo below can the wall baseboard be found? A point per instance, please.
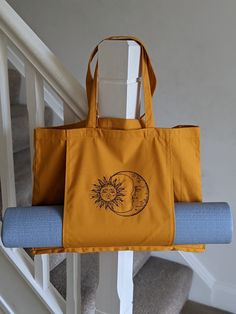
(199, 269)
(224, 296)
(213, 292)
(5, 307)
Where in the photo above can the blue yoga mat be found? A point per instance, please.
(41, 226)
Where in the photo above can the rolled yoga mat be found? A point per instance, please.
(41, 226)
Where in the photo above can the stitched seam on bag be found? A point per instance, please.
(181, 172)
(111, 133)
(198, 157)
(198, 249)
(168, 149)
(172, 187)
(65, 221)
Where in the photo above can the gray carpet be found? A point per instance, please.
(89, 280)
(89, 270)
(160, 287)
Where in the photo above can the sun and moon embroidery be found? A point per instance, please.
(125, 193)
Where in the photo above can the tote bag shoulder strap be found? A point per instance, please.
(148, 77)
(89, 78)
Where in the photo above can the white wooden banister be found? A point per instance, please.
(73, 284)
(118, 96)
(41, 270)
(35, 107)
(35, 102)
(46, 80)
(73, 260)
(46, 63)
(6, 156)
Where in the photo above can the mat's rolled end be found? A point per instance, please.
(209, 223)
(36, 226)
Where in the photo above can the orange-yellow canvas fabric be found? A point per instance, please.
(122, 177)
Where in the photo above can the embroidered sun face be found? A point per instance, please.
(125, 193)
(108, 193)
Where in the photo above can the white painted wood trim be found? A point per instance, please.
(73, 260)
(115, 289)
(35, 102)
(50, 96)
(119, 79)
(16, 58)
(39, 101)
(35, 106)
(35, 61)
(107, 298)
(119, 63)
(5, 307)
(41, 270)
(73, 283)
(224, 296)
(199, 268)
(125, 284)
(6, 155)
(46, 63)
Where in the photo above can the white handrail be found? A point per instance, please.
(46, 79)
(43, 59)
(6, 156)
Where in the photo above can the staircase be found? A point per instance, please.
(53, 96)
(159, 286)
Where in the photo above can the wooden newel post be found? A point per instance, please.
(118, 96)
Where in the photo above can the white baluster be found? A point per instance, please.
(73, 260)
(73, 284)
(35, 102)
(36, 106)
(115, 289)
(118, 96)
(6, 154)
(41, 270)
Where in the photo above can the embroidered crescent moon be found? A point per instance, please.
(125, 193)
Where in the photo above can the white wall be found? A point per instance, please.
(193, 47)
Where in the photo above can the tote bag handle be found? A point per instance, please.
(148, 77)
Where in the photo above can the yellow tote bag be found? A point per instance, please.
(119, 191)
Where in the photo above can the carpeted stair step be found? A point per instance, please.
(160, 286)
(89, 280)
(140, 258)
